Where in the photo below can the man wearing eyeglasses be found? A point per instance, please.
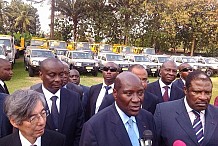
(98, 92)
(26, 112)
(184, 70)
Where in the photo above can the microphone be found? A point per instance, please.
(179, 143)
(147, 138)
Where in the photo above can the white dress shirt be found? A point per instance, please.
(192, 115)
(48, 96)
(162, 85)
(125, 119)
(101, 96)
(2, 84)
(25, 142)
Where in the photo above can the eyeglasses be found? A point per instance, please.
(112, 69)
(33, 119)
(186, 69)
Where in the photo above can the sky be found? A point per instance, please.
(44, 14)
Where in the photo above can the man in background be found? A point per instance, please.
(5, 74)
(163, 87)
(74, 77)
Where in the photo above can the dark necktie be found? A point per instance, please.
(166, 96)
(198, 128)
(54, 111)
(6, 89)
(107, 89)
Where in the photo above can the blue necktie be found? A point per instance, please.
(198, 128)
(132, 135)
(54, 111)
(107, 89)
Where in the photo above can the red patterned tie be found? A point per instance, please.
(166, 96)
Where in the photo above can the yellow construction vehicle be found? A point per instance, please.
(117, 48)
(39, 42)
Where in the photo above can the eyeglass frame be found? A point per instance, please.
(186, 69)
(33, 119)
(112, 69)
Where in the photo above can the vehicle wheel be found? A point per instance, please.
(209, 72)
(95, 73)
(31, 72)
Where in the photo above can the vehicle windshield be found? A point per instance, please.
(112, 57)
(188, 60)
(5, 42)
(1, 51)
(36, 43)
(61, 52)
(141, 59)
(211, 61)
(163, 59)
(38, 53)
(81, 55)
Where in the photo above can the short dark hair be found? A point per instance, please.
(139, 66)
(196, 75)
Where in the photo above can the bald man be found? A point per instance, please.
(5, 74)
(65, 108)
(111, 125)
(163, 87)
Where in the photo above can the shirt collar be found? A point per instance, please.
(163, 85)
(112, 85)
(2, 83)
(48, 94)
(188, 108)
(25, 142)
(123, 116)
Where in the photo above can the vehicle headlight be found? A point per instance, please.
(195, 67)
(35, 62)
(158, 67)
(145, 66)
(78, 64)
(96, 64)
(215, 67)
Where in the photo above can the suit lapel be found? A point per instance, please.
(2, 90)
(185, 122)
(210, 125)
(95, 97)
(118, 128)
(46, 139)
(141, 125)
(158, 90)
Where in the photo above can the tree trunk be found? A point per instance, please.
(52, 19)
(193, 46)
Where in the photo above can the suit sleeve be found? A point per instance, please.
(88, 137)
(79, 123)
(158, 123)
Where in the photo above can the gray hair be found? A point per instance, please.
(21, 104)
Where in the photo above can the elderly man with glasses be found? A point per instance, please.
(184, 70)
(26, 112)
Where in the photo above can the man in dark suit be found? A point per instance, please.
(26, 112)
(97, 92)
(74, 77)
(184, 70)
(123, 123)
(191, 119)
(67, 115)
(5, 74)
(163, 88)
(150, 100)
(5, 126)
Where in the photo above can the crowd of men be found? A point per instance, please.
(124, 110)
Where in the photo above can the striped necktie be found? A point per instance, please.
(165, 95)
(198, 128)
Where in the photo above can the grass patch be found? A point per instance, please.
(21, 79)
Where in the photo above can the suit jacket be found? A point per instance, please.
(93, 95)
(85, 97)
(71, 116)
(4, 90)
(149, 103)
(173, 123)
(5, 126)
(107, 129)
(175, 93)
(179, 83)
(49, 138)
